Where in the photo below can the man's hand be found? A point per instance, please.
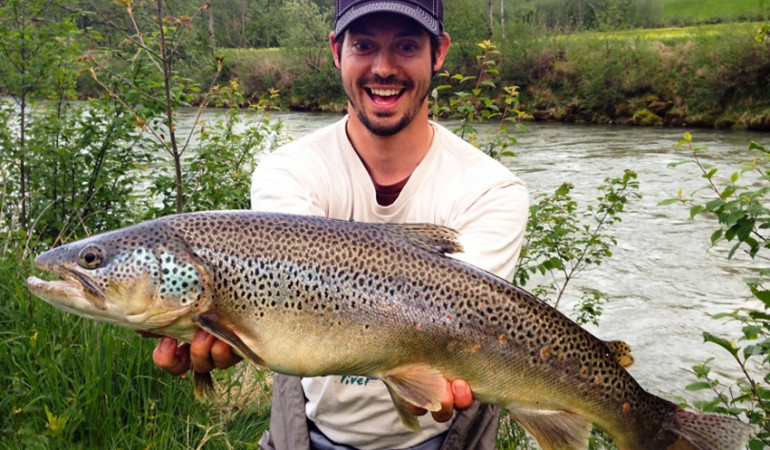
(458, 396)
(205, 353)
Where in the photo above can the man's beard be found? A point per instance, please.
(389, 130)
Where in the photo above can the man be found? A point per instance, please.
(384, 162)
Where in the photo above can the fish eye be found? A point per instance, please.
(90, 257)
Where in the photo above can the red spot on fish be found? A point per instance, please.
(598, 378)
(626, 407)
(419, 325)
(449, 317)
(476, 347)
(502, 339)
(544, 352)
(583, 371)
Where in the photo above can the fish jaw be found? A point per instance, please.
(69, 295)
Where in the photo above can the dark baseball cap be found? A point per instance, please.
(428, 13)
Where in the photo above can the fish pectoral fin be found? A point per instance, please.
(621, 352)
(214, 324)
(419, 385)
(554, 429)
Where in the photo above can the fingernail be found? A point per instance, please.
(167, 344)
(459, 389)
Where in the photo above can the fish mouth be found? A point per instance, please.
(73, 292)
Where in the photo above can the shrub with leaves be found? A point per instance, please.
(739, 206)
(564, 240)
(483, 102)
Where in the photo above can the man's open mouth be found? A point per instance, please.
(384, 96)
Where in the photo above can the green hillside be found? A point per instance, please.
(724, 10)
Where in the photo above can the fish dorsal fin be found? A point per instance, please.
(554, 429)
(418, 385)
(430, 237)
(621, 352)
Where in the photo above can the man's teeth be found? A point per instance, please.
(385, 92)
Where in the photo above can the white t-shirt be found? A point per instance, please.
(455, 185)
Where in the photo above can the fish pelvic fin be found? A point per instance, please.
(419, 385)
(709, 431)
(554, 429)
(621, 352)
(203, 386)
(402, 408)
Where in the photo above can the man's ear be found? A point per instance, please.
(441, 51)
(336, 46)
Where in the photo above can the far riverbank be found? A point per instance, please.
(714, 76)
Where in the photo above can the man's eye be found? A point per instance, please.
(362, 46)
(408, 47)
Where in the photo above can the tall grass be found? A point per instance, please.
(74, 383)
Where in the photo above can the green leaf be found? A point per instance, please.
(669, 201)
(697, 209)
(716, 236)
(756, 146)
(752, 331)
(698, 386)
(722, 342)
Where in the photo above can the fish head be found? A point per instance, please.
(143, 277)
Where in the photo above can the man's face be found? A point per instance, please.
(386, 68)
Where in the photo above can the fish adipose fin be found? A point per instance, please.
(621, 352)
(418, 385)
(554, 430)
(710, 431)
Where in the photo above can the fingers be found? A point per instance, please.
(457, 397)
(208, 353)
(204, 354)
(222, 355)
(200, 351)
(171, 357)
(462, 394)
(447, 405)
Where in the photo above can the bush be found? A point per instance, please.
(738, 207)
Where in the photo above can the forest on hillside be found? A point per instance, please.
(280, 23)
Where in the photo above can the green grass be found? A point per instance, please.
(701, 10)
(74, 383)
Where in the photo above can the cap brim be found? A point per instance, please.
(417, 14)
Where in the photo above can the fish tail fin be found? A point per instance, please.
(709, 431)
(554, 429)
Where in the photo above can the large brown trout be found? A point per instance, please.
(311, 296)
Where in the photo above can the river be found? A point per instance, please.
(663, 281)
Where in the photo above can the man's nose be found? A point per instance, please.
(384, 64)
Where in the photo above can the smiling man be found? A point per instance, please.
(385, 161)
